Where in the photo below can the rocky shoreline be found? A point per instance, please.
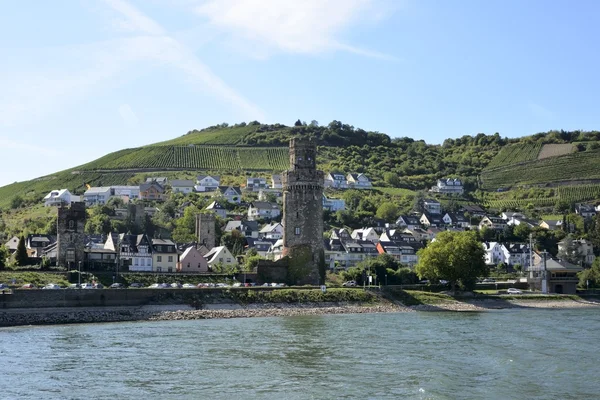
(51, 316)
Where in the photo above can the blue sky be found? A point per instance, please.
(82, 78)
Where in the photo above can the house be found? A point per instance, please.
(60, 197)
(96, 256)
(135, 251)
(516, 221)
(495, 223)
(341, 234)
(408, 221)
(207, 183)
(35, 244)
(164, 255)
(220, 256)
(218, 209)
(152, 191)
(336, 180)
(583, 249)
(404, 253)
(333, 205)
(358, 181)
(368, 234)
(276, 182)
(516, 253)
(396, 235)
(494, 253)
(429, 219)
(192, 261)
(343, 254)
(160, 180)
(248, 228)
(263, 209)
(551, 275)
(271, 231)
(456, 219)
(126, 193)
(432, 206)
(473, 210)
(232, 194)
(12, 244)
(508, 215)
(551, 224)
(184, 186)
(97, 195)
(261, 246)
(585, 210)
(419, 234)
(256, 184)
(448, 186)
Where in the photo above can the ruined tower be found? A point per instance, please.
(303, 213)
(70, 226)
(205, 230)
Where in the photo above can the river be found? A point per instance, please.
(507, 354)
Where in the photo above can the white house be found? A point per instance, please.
(432, 206)
(220, 256)
(271, 231)
(456, 219)
(263, 209)
(516, 253)
(97, 195)
(408, 221)
(218, 209)
(358, 181)
(336, 180)
(248, 228)
(126, 192)
(333, 205)
(448, 186)
(182, 186)
(368, 234)
(232, 194)
(207, 183)
(494, 253)
(583, 249)
(256, 184)
(60, 197)
(495, 223)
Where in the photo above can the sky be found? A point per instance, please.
(82, 78)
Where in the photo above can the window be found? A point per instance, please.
(229, 260)
(297, 230)
(158, 258)
(170, 258)
(158, 269)
(135, 261)
(188, 265)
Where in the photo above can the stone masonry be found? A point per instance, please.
(205, 230)
(70, 235)
(303, 209)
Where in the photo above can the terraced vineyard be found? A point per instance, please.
(555, 150)
(520, 204)
(572, 167)
(574, 194)
(516, 153)
(225, 158)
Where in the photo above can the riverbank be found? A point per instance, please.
(173, 312)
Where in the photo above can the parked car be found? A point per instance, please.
(98, 286)
(188, 286)
(154, 286)
(51, 286)
(513, 290)
(176, 285)
(237, 284)
(87, 286)
(136, 285)
(29, 286)
(74, 286)
(349, 284)
(3, 286)
(489, 280)
(117, 285)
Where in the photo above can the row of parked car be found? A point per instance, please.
(135, 285)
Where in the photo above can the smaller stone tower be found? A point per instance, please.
(70, 235)
(303, 213)
(205, 230)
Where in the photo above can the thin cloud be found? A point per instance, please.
(307, 26)
(128, 115)
(540, 111)
(11, 144)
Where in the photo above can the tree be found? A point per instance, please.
(3, 256)
(16, 202)
(387, 211)
(454, 256)
(522, 232)
(21, 256)
(391, 179)
(591, 275)
(298, 123)
(569, 251)
(235, 241)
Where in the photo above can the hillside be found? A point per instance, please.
(486, 161)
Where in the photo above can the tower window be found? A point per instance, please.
(297, 230)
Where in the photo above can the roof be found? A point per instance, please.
(146, 186)
(264, 204)
(165, 242)
(97, 189)
(553, 264)
(276, 178)
(159, 179)
(236, 189)
(181, 182)
(55, 193)
(432, 201)
(215, 177)
(270, 227)
(215, 206)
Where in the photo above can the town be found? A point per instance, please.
(111, 228)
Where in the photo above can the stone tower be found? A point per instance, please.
(70, 235)
(205, 230)
(303, 213)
